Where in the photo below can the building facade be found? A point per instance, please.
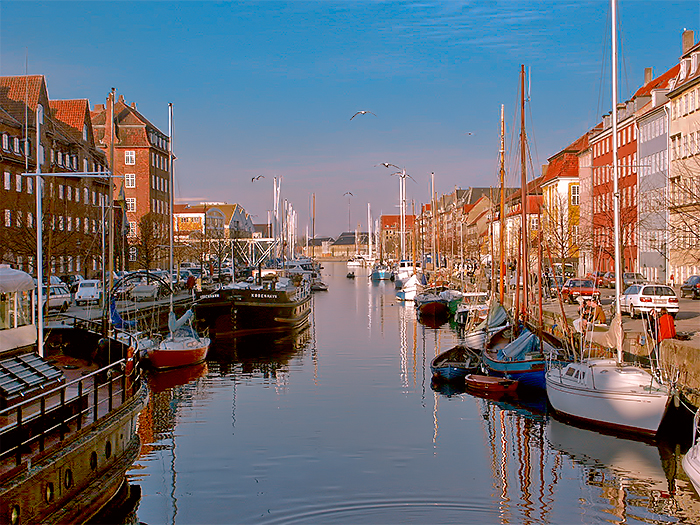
(73, 206)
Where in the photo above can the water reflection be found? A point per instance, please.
(337, 423)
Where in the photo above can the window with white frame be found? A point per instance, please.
(16, 144)
(131, 204)
(8, 180)
(60, 191)
(77, 194)
(132, 228)
(18, 183)
(133, 253)
(130, 180)
(8, 218)
(130, 158)
(574, 194)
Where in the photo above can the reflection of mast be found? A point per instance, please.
(403, 344)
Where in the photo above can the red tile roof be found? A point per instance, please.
(15, 90)
(71, 112)
(660, 82)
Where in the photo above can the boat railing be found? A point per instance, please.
(36, 424)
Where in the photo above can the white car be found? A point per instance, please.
(89, 291)
(646, 297)
(59, 297)
(144, 291)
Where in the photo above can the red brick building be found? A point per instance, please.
(141, 164)
(72, 215)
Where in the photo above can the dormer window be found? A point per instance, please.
(5, 142)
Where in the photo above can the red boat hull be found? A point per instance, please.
(490, 384)
(164, 358)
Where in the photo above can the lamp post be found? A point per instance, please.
(402, 202)
(349, 194)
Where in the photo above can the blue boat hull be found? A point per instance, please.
(530, 373)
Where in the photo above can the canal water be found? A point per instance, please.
(339, 424)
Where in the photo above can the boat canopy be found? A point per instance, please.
(12, 280)
(498, 316)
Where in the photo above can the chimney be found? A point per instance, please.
(688, 40)
(99, 107)
(121, 97)
(133, 105)
(648, 75)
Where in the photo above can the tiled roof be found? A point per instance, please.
(394, 221)
(14, 91)
(660, 82)
(71, 112)
(565, 162)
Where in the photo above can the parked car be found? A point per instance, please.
(59, 297)
(645, 297)
(556, 283)
(89, 291)
(608, 280)
(630, 278)
(145, 291)
(72, 281)
(691, 286)
(597, 278)
(575, 288)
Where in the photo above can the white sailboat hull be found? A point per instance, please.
(598, 391)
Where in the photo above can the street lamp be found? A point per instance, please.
(402, 201)
(349, 194)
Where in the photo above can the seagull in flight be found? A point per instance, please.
(257, 178)
(362, 113)
(387, 165)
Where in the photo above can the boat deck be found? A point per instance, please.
(30, 428)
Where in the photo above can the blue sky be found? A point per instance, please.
(269, 87)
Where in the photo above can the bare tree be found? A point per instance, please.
(151, 241)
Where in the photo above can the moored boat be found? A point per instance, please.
(182, 347)
(691, 460)
(454, 364)
(381, 272)
(69, 412)
(273, 304)
(490, 384)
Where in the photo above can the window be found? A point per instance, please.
(30, 185)
(574, 195)
(85, 133)
(60, 191)
(132, 228)
(130, 158)
(130, 180)
(133, 253)
(69, 193)
(18, 183)
(86, 195)
(8, 180)
(16, 141)
(8, 218)
(77, 194)
(130, 204)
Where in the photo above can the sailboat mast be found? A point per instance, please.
(616, 189)
(523, 193)
(502, 215)
(171, 239)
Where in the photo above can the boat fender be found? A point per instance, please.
(129, 368)
(676, 400)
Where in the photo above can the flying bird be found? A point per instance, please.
(257, 178)
(387, 165)
(362, 113)
(347, 193)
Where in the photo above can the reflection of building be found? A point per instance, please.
(72, 205)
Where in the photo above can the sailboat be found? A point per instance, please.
(609, 392)
(183, 346)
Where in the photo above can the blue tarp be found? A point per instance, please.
(116, 319)
(525, 343)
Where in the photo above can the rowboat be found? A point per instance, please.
(454, 364)
(490, 384)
